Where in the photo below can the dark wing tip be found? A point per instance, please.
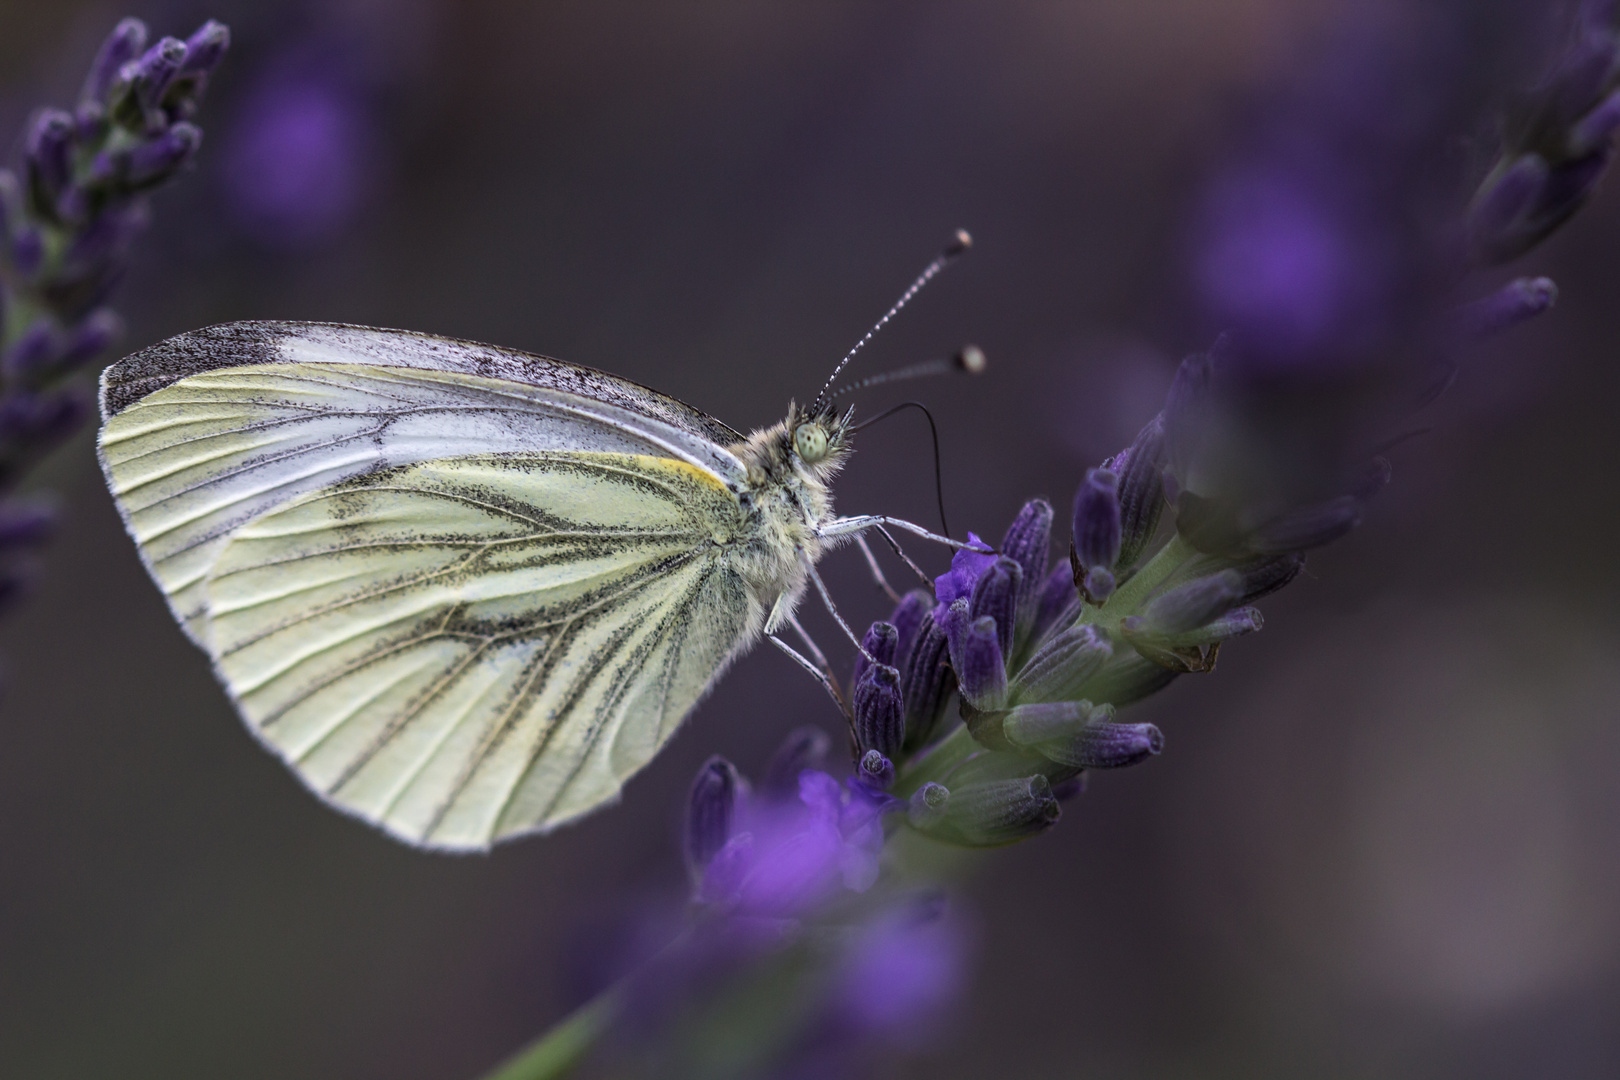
(167, 362)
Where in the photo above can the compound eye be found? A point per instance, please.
(810, 440)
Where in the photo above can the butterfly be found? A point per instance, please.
(464, 592)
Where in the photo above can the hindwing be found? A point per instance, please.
(469, 649)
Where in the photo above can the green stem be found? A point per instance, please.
(559, 1051)
(940, 759)
(1166, 561)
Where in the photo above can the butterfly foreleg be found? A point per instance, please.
(826, 598)
(821, 675)
(838, 528)
(877, 571)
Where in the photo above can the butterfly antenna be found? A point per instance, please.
(970, 360)
(959, 245)
(939, 483)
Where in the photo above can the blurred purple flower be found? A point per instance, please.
(900, 971)
(300, 158)
(789, 857)
(1283, 263)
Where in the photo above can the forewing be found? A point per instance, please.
(193, 452)
(470, 649)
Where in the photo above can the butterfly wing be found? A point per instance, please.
(208, 430)
(469, 649)
(456, 644)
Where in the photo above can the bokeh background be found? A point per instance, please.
(1384, 840)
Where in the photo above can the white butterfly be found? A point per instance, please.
(464, 592)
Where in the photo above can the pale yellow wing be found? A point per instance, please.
(209, 430)
(466, 650)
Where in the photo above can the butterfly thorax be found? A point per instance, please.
(787, 498)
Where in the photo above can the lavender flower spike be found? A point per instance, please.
(66, 231)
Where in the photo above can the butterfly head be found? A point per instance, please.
(818, 441)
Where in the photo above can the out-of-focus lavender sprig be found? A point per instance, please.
(1557, 143)
(67, 220)
(1331, 253)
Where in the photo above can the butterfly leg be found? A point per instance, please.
(826, 598)
(877, 571)
(928, 582)
(823, 676)
(850, 526)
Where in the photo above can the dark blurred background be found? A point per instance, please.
(1384, 840)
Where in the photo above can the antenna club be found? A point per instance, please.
(959, 245)
(970, 359)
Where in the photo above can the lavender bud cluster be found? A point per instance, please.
(67, 220)
(1556, 144)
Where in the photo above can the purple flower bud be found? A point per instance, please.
(953, 619)
(966, 566)
(879, 714)
(1521, 204)
(1057, 597)
(89, 123)
(1103, 744)
(98, 331)
(908, 622)
(804, 748)
(154, 70)
(1099, 584)
(994, 812)
(32, 353)
(1516, 302)
(1063, 665)
(982, 672)
(876, 771)
(50, 168)
(1185, 408)
(1308, 528)
(1506, 198)
(25, 524)
(879, 643)
(996, 597)
(122, 45)
(928, 804)
(1369, 479)
(1265, 575)
(154, 162)
(1595, 128)
(1029, 544)
(1097, 520)
(206, 47)
(710, 810)
(1161, 647)
(1141, 491)
(1190, 606)
(928, 679)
